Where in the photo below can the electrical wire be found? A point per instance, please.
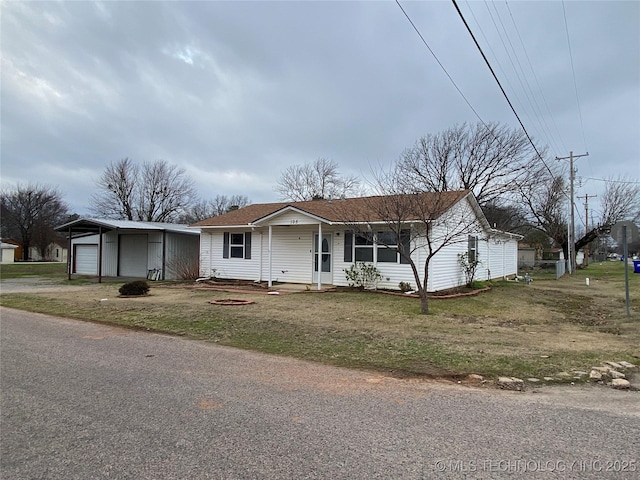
(500, 85)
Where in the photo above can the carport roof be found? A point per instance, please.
(94, 225)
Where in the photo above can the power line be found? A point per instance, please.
(575, 85)
(455, 4)
(440, 63)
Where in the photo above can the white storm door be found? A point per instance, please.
(322, 254)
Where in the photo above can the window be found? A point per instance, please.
(472, 249)
(389, 247)
(363, 247)
(360, 247)
(236, 245)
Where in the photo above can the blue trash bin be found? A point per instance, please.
(636, 266)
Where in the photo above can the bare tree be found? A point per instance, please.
(29, 214)
(621, 201)
(155, 192)
(317, 180)
(430, 221)
(491, 160)
(219, 205)
(164, 192)
(117, 190)
(547, 208)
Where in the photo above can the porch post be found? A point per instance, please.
(270, 283)
(319, 256)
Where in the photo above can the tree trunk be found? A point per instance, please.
(424, 301)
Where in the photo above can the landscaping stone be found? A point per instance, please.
(616, 374)
(620, 383)
(580, 373)
(614, 365)
(627, 364)
(511, 383)
(595, 375)
(533, 380)
(549, 379)
(563, 374)
(475, 377)
(602, 370)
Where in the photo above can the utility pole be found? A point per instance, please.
(585, 261)
(572, 225)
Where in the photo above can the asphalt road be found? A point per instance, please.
(87, 401)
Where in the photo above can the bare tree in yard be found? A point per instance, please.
(29, 214)
(491, 160)
(204, 209)
(547, 204)
(426, 220)
(155, 192)
(317, 180)
(621, 201)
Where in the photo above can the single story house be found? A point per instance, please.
(55, 252)
(123, 248)
(8, 252)
(315, 242)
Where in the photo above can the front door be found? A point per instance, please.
(323, 254)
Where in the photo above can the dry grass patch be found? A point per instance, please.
(513, 329)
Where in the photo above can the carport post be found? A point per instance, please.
(100, 254)
(69, 255)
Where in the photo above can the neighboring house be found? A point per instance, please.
(131, 249)
(55, 252)
(8, 252)
(526, 256)
(285, 242)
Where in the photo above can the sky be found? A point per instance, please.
(236, 92)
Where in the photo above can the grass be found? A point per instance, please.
(49, 270)
(539, 330)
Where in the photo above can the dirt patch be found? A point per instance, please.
(231, 302)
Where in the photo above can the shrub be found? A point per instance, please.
(363, 275)
(137, 287)
(405, 287)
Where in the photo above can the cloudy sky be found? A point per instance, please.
(235, 92)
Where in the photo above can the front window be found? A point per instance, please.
(236, 245)
(363, 245)
(387, 249)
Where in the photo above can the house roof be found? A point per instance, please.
(354, 210)
(8, 245)
(92, 225)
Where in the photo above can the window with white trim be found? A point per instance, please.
(472, 248)
(236, 245)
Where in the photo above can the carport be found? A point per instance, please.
(123, 248)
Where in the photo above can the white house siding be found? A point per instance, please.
(212, 263)
(510, 257)
(492, 262)
(292, 253)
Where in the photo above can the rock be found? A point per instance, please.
(627, 364)
(616, 374)
(620, 383)
(544, 356)
(510, 383)
(580, 373)
(603, 370)
(595, 375)
(474, 377)
(563, 375)
(533, 380)
(549, 379)
(614, 365)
